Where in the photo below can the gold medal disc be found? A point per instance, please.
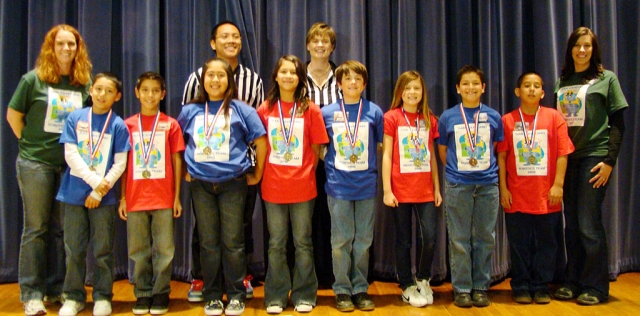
(207, 151)
(532, 159)
(417, 162)
(146, 174)
(287, 156)
(353, 158)
(473, 162)
(92, 168)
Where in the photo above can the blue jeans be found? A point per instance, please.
(471, 213)
(41, 263)
(425, 240)
(533, 249)
(587, 255)
(219, 209)
(351, 237)
(278, 282)
(151, 248)
(83, 226)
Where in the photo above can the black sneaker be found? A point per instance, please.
(542, 297)
(363, 302)
(522, 296)
(344, 303)
(588, 299)
(160, 304)
(142, 306)
(462, 300)
(564, 293)
(480, 298)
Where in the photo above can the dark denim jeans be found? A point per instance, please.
(425, 241)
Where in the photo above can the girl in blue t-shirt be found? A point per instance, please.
(217, 131)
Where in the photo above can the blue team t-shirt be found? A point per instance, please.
(220, 154)
(466, 164)
(352, 171)
(73, 190)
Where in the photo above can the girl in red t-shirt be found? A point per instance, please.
(410, 182)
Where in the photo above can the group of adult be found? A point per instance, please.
(61, 78)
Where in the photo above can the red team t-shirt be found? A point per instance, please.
(289, 176)
(530, 179)
(150, 184)
(410, 183)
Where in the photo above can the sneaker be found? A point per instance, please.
(542, 297)
(480, 298)
(413, 297)
(235, 307)
(213, 308)
(564, 293)
(102, 308)
(247, 285)
(425, 290)
(54, 299)
(344, 303)
(522, 296)
(143, 304)
(160, 304)
(195, 292)
(363, 302)
(34, 307)
(588, 299)
(274, 309)
(303, 307)
(462, 300)
(71, 308)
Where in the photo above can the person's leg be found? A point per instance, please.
(305, 283)
(342, 239)
(76, 239)
(402, 219)
(575, 250)
(56, 267)
(102, 229)
(321, 232)
(278, 281)
(162, 226)
(483, 233)
(139, 244)
(544, 259)
(520, 234)
(459, 209)
(426, 239)
(365, 214)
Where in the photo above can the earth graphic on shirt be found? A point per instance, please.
(61, 107)
(215, 141)
(524, 154)
(344, 148)
(279, 144)
(154, 157)
(480, 149)
(411, 151)
(570, 104)
(85, 153)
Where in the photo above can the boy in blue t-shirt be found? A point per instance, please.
(96, 142)
(355, 129)
(469, 133)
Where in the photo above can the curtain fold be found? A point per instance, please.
(436, 38)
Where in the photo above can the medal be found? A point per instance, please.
(472, 140)
(287, 134)
(529, 141)
(146, 147)
(416, 141)
(417, 162)
(532, 159)
(93, 151)
(207, 150)
(352, 137)
(473, 161)
(146, 174)
(209, 128)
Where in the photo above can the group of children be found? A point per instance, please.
(291, 134)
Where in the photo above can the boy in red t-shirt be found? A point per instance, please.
(532, 159)
(151, 195)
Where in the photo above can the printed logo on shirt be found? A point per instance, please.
(348, 158)
(281, 154)
(531, 161)
(472, 158)
(571, 104)
(414, 154)
(99, 162)
(216, 148)
(154, 168)
(60, 103)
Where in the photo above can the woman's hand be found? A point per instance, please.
(602, 177)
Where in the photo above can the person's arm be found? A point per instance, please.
(435, 178)
(556, 192)
(190, 88)
(261, 154)
(122, 209)
(16, 121)
(604, 168)
(442, 151)
(389, 198)
(317, 151)
(505, 195)
(119, 164)
(79, 167)
(176, 160)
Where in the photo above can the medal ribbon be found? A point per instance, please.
(94, 150)
(209, 128)
(287, 135)
(468, 130)
(353, 138)
(416, 143)
(529, 141)
(146, 150)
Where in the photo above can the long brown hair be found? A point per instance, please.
(401, 84)
(47, 64)
(595, 69)
(231, 93)
(300, 95)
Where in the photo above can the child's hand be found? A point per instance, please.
(437, 198)
(252, 179)
(122, 210)
(177, 208)
(103, 188)
(90, 202)
(390, 199)
(505, 198)
(555, 195)
(187, 177)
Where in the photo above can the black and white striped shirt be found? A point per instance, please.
(250, 88)
(328, 93)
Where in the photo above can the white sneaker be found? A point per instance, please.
(102, 308)
(274, 309)
(34, 307)
(71, 308)
(410, 295)
(303, 307)
(234, 308)
(425, 290)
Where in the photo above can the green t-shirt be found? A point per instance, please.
(588, 120)
(46, 108)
